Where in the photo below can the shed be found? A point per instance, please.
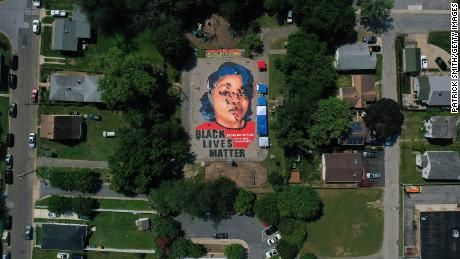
(262, 101)
(262, 125)
(262, 88)
(143, 224)
(262, 65)
(71, 237)
(295, 177)
(264, 142)
(262, 110)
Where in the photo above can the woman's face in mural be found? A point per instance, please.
(229, 101)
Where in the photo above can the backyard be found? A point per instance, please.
(351, 225)
(95, 146)
(47, 254)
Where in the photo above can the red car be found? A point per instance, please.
(34, 96)
(366, 183)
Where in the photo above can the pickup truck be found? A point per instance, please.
(58, 13)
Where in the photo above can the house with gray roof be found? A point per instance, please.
(432, 90)
(411, 60)
(355, 57)
(439, 165)
(441, 127)
(75, 88)
(68, 33)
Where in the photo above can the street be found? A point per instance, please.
(16, 22)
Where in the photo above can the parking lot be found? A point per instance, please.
(378, 165)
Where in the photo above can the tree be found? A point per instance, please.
(294, 231)
(330, 120)
(83, 206)
(298, 202)
(278, 7)
(266, 209)
(235, 251)
(82, 180)
(244, 202)
(251, 42)
(308, 256)
(163, 226)
(170, 41)
(375, 14)
(59, 204)
(384, 118)
(182, 248)
(240, 12)
(286, 250)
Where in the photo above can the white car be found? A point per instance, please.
(58, 13)
(271, 253)
(36, 26)
(52, 215)
(289, 17)
(274, 239)
(424, 62)
(63, 256)
(37, 3)
(32, 140)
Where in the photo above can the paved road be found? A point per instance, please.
(427, 4)
(57, 162)
(105, 192)
(16, 19)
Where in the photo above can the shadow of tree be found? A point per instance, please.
(382, 25)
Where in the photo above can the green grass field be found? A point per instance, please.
(440, 39)
(352, 224)
(266, 21)
(344, 81)
(59, 4)
(278, 43)
(95, 147)
(276, 78)
(51, 254)
(5, 46)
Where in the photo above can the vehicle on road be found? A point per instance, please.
(274, 239)
(10, 140)
(6, 238)
(441, 63)
(413, 189)
(12, 81)
(52, 215)
(365, 183)
(13, 110)
(6, 255)
(9, 176)
(373, 175)
(38, 3)
(14, 62)
(32, 140)
(370, 39)
(58, 13)
(8, 222)
(423, 62)
(9, 161)
(28, 232)
(370, 154)
(220, 235)
(34, 96)
(63, 256)
(289, 17)
(36, 26)
(271, 253)
(270, 230)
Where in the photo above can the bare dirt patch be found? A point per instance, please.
(244, 174)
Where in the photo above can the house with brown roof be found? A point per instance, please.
(342, 167)
(62, 127)
(362, 92)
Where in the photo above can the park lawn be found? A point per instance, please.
(48, 254)
(440, 39)
(413, 125)
(276, 77)
(344, 81)
(267, 21)
(118, 230)
(279, 43)
(378, 68)
(95, 147)
(351, 225)
(59, 4)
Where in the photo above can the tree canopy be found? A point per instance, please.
(308, 256)
(375, 14)
(235, 251)
(298, 202)
(384, 118)
(244, 202)
(182, 248)
(286, 250)
(266, 209)
(163, 226)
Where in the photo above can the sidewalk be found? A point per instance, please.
(116, 250)
(58, 162)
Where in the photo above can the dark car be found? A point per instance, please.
(271, 230)
(12, 81)
(370, 39)
(10, 140)
(13, 110)
(376, 48)
(366, 183)
(9, 176)
(442, 65)
(14, 62)
(369, 154)
(77, 256)
(8, 222)
(28, 232)
(220, 235)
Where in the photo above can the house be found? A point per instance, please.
(432, 90)
(441, 127)
(355, 57)
(75, 88)
(358, 135)
(411, 60)
(62, 127)
(68, 33)
(143, 224)
(342, 167)
(362, 92)
(439, 234)
(439, 165)
(71, 237)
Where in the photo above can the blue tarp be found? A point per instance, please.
(262, 101)
(262, 88)
(262, 125)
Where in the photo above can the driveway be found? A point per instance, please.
(376, 164)
(248, 229)
(430, 51)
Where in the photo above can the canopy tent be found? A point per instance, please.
(262, 65)
(261, 110)
(262, 125)
(262, 88)
(262, 101)
(264, 142)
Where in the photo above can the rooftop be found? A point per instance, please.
(411, 60)
(68, 31)
(62, 127)
(433, 90)
(436, 233)
(343, 167)
(441, 127)
(439, 165)
(363, 91)
(64, 236)
(353, 57)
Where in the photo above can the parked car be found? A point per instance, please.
(52, 215)
(63, 256)
(6, 238)
(32, 140)
(14, 62)
(34, 96)
(10, 140)
(220, 235)
(58, 13)
(389, 141)
(6, 255)
(289, 17)
(8, 222)
(38, 3)
(370, 39)
(36, 26)
(271, 253)
(9, 176)
(442, 65)
(423, 62)
(366, 183)
(274, 239)
(370, 154)
(13, 110)
(9, 161)
(270, 230)
(373, 175)
(28, 232)
(12, 81)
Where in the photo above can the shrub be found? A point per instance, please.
(85, 180)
